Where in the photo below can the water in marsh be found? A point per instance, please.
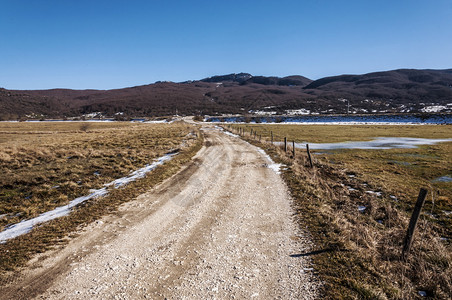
(381, 143)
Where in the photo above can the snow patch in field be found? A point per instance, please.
(378, 194)
(434, 108)
(301, 111)
(158, 122)
(27, 225)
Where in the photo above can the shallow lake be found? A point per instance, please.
(344, 119)
(378, 143)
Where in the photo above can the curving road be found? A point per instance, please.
(221, 228)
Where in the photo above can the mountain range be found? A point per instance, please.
(397, 91)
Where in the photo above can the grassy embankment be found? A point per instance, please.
(46, 165)
(357, 253)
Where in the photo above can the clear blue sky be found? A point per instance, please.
(112, 44)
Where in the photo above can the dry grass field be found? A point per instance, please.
(44, 165)
(356, 204)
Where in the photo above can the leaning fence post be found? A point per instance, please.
(293, 149)
(309, 155)
(285, 144)
(413, 221)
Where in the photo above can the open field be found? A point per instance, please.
(46, 165)
(357, 203)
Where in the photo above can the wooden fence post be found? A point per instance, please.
(285, 144)
(293, 149)
(413, 221)
(309, 155)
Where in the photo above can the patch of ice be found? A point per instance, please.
(446, 178)
(27, 225)
(422, 293)
(378, 194)
(361, 208)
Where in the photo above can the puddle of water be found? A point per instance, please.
(379, 143)
(446, 178)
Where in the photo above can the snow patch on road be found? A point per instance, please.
(271, 165)
(26, 226)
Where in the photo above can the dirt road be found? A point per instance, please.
(221, 228)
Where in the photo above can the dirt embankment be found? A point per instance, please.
(221, 228)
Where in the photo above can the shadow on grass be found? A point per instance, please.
(317, 252)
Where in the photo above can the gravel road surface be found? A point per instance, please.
(222, 228)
